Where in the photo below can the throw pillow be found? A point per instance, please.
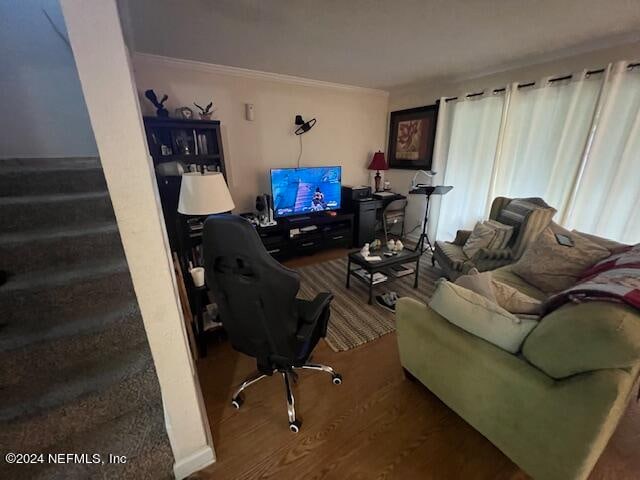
(514, 301)
(552, 267)
(480, 317)
(503, 234)
(506, 296)
(480, 237)
(481, 283)
(611, 245)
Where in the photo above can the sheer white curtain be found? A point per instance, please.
(475, 124)
(607, 197)
(575, 143)
(544, 138)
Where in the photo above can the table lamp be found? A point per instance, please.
(378, 163)
(204, 194)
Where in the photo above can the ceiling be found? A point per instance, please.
(377, 43)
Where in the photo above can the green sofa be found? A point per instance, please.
(553, 407)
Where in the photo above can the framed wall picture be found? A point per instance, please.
(412, 134)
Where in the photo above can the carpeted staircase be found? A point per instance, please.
(76, 373)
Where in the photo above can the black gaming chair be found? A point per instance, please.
(256, 298)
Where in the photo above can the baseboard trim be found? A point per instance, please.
(194, 462)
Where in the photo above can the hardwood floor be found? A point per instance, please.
(376, 425)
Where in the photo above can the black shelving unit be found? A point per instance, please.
(190, 142)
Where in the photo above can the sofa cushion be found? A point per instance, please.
(508, 297)
(582, 337)
(506, 275)
(480, 316)
(552, 267)
(481, 237)
(514, 301)
(611, 245)
(481, 283)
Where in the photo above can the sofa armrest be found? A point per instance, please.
(485, 259)
(493, 254)
(461, 237)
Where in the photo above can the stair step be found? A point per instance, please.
(22, 177)
(60, 248)
(33, 304)
(78, 400)
(42, 212)
(25, 357)
(47, 164)
(76, 373)
(138, 434)
(60, 386)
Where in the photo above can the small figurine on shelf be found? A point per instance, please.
(205, 113)
(184, 112)
(160, 110)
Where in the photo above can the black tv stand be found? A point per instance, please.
(289, 238)
(301, 218)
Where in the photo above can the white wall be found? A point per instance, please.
(426, 94)
(351, 121)
(42, 110)
(108, 86)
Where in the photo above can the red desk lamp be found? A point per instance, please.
(378, 163)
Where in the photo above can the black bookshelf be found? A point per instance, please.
(189, 142)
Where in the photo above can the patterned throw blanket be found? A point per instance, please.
(616, 278)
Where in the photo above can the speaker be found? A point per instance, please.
(261, 205)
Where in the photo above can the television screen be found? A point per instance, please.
(300, 191)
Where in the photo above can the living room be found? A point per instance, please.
(331, 240)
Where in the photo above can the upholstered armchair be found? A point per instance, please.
(528, 216)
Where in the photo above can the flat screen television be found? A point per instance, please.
(305, 190)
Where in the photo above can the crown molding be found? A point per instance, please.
(601, 48)
(248, 73)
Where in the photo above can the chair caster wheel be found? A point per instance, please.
(237, 402)
(295, 426)
(336, 379)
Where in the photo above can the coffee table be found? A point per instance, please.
(404, 256)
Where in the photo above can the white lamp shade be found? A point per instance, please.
(204, 194)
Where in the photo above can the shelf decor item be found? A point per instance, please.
(206, 112)
(159, 104)
(412, 135)
(184, 113)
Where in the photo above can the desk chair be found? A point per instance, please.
(256, 298)
(393, 218)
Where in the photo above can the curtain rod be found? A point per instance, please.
(495, 91)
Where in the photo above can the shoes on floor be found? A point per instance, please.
(388, 301)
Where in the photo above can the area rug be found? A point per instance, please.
(353, 321)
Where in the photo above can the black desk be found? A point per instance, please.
(366, 213)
